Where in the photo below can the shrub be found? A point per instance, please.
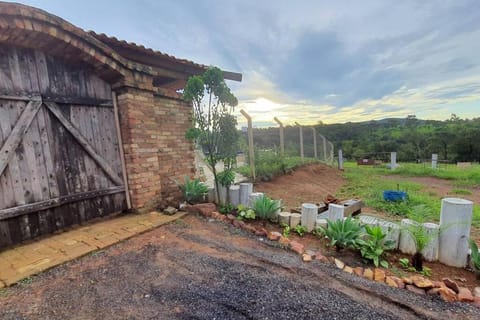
(265, 207)
(193, 190)
(342, 233)
(300, 230)
(245, 213)
(373, 246)
(474, 256)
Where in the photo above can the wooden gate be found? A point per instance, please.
(59, 158)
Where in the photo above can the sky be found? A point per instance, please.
(311, 61)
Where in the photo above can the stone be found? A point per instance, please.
(310, 252)
(433, 291)
(320, 257)
(476, 292)
(368, 273)
(249, 228)
(284, 241)
(447, 294)
(216, 215)
(339, 263)
(274, 235)
(407, 280)
(476, 301)
(261, 232)
(170, 210)
(306, 257)
(421, 282)
(230, 217)
(379, 275)
(438, 284)
(297, 247)
(348, 269)
(450, 284)
(400, 283)
(205, 209)
(358, 271)
(464, 295)
(391, 282)
(414, 289)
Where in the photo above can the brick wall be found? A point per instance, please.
(156, 151)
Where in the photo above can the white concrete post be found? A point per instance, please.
(223, 194)
(251, 154)
(335, 211)
(253, 197)
(235, 195)
(315, 154)
(393, 160)
(309, 216)
(340, 159)
(392, 232)
(282, 139)
(430, 252)
(245, 190)
(295, 219)
(324, 144)
(434, 160)
(455, 223)
(211, 195)
(407, 243)
(331, 151)
(301, 140)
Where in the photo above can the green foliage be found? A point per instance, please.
(404, 263)
(226, 208)
(286, 231)
(193, 190)
(342, 233)
(212, 119)
(226, 177)
(265, 207)
(374, 245)
(245, 213)
(300, 230)
(419, 235)
(426, 272)
(474, 256)
(461, 192)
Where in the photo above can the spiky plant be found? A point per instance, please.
(265, 207)
(342, 233)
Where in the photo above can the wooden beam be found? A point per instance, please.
(19, 130)
(55, 109)
(83, 101)
(56, 202)
(20, 97)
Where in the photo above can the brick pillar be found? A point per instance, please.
(139, 129)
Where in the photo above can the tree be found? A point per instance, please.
(212, 103)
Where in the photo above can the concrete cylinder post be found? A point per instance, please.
(235, 195)
(392, 232)
(295, 219)
(251, 154)
(407, 243)
(393, 160)
(245, 190)
(284, 218)
(309, 216)
(430, 252)
(282, 139)
(335, 212)
(223, 194)
(211, 195)
(434, 161)
(253, 197)
(340, 159)
(455, 223)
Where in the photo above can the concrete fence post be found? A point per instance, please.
(282, 137)
(315, 155)
(251, 153)
(434, 161)
(340, 159)
(301, 140)
(455, 222)
(393, 160)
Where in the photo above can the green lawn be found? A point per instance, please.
(368, 183)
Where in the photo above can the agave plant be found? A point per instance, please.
(193, 190)
(342, 233)
(265, 207)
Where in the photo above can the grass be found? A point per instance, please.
(368, 183)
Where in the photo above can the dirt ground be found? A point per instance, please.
(310, 183)
(203, 269)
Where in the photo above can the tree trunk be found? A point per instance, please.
(417, 261)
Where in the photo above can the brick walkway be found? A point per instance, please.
(26, 260)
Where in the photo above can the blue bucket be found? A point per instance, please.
(391, 195)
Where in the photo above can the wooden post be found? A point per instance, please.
(301, 140)
(251, 154)
(120, 148)
(314, 143)
(282, 140)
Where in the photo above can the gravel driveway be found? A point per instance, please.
(200, 269)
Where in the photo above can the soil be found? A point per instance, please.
(204, 269)
(311, 183)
